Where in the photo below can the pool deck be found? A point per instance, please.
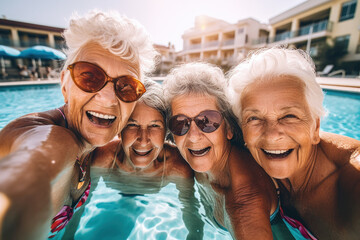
(338, 84)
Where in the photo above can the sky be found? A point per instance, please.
(165, 20)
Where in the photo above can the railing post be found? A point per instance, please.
(308, 45)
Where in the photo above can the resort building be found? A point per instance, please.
(313, 24)
(166, 59)
(220, 42)
(21, 35)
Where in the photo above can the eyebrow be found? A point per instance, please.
(253, 110)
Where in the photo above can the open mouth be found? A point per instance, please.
(100, 119)
(200, 152)
(277, 153)
(142, 152)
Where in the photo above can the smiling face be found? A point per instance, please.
(144, 134)
(98, 117)
(203, 151)
(278, 128)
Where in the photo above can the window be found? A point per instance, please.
(240, 30)
(348, 10)
(342, 42)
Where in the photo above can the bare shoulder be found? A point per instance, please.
(242, 165)
(247, 176)
(340, 149)
(176, 164)
(104, 156)
(27, 125)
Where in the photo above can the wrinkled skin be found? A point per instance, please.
(38, 153)
(318, 173)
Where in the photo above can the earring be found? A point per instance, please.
(245, 144)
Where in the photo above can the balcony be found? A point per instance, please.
(211, 44)
(194, 46)
(7, 42)
(316, 27)
(228, 42)
(319, 29)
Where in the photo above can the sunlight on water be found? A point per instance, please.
(131, 207)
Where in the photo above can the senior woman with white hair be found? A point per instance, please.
(241, 196)
(42, 165)
(278, 102)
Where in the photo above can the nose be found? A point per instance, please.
(194, 133)
(273, 131)
(107, 95)
(143, 136)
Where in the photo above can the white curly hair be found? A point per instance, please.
(270, 63)
(121, 36)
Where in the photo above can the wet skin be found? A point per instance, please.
(143, 137)
(97, 117)
(279, 131)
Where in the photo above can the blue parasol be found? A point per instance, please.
(42, 52)
(6, 51)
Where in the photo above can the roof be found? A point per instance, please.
(12, 23)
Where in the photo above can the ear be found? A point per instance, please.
(63, 86)
(229, 133)
(316, 133)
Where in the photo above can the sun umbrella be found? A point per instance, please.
(42, 52)
(7, 52)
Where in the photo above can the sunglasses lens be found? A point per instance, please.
(129, 89)
(179, 124)
(88, 77)
(208, 121)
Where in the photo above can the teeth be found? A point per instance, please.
(103, 116)
(275, 151)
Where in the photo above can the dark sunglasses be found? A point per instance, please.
(92, 78)
(207, 121)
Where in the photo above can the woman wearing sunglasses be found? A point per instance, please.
(242, 195)
(141, 160)
(43, 170)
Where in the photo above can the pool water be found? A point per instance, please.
(121, 207)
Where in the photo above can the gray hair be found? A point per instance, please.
(121, 36)
(203, 79)
(154, 98)
(270, 63)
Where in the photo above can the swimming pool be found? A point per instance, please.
(135, 208)
(343, 108)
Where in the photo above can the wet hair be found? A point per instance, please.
(268, 64)
(202, 79)
(116, 34)
(154, 98)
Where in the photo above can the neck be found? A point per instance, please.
(305, 177)
(219, 174)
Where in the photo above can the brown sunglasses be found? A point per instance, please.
(92, 78)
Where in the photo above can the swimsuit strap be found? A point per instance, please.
(66, 123)
(163, 173)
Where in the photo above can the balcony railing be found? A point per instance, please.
(7, 42)
(211, 44)
(228, 42)
(324, 25)
(195, 46)
(316, 27)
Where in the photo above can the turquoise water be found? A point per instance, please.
(133, 208)
(343, 108)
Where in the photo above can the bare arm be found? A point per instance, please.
(34, 158)
(250, 199)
